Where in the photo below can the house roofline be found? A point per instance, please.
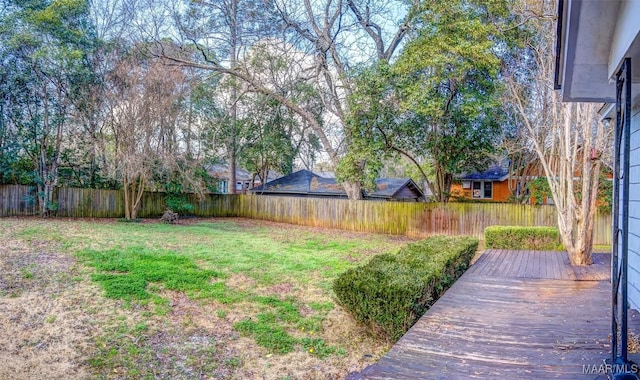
(407, 182)
(499, 179)
(557, 81)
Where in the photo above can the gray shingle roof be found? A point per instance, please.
(298, 182)
(308, 183)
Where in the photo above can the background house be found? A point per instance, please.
(490, 185)
(244, 179)
(493, 184)
(305, 183)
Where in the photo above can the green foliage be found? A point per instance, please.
(318, 347)
(27, 272)
(181, 179)
(77, 170)
(126, 274)
(44, 50)
(267, 333)
(539, 190)
(518, 237)
(178, 203)
(452, 71)
(268, 141)
(605, 194)
(371, 123)
(441, 100)
(269, 328)
(392, 291)
(267, 135)
(14, 169)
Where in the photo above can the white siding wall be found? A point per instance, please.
(634, 212)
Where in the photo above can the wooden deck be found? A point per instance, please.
(512, 315)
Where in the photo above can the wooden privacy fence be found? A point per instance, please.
(18, 200)
(401, 218)
(405, 218)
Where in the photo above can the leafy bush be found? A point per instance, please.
(392, 291)
(517, 237)
(178, 203)
(539, 190)
(605, 194)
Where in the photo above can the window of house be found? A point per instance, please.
(488, 190)
(477, 189)
(224, 187)
(482, 190)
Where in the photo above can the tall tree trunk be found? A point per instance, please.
(137, 191)
(44, 169)
(353, 190)
(127, 201)
(563, 144)
(232, 172)
(233, 144)
(442, 184)
(42, 172)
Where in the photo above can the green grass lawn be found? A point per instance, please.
(221, 298)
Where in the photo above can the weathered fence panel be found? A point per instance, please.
(404, 218)
(89, 203)
(400, 218)
(17, 200)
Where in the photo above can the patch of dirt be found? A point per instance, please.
(44, 330)
(240, 281)
(190, 354)
(240, 358)
(283, 289)
(24, 271)
(44, 338)
(362, 350)
(363, 347)
(51, 312)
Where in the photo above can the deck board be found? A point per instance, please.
(513, 314)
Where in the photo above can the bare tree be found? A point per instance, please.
(142, 112)
(567, 138)
(523, 163)
(327, 33)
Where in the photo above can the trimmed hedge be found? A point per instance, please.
(517, 237)
(392, 291)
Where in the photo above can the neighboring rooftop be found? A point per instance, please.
(494, 173)
(307, 183)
